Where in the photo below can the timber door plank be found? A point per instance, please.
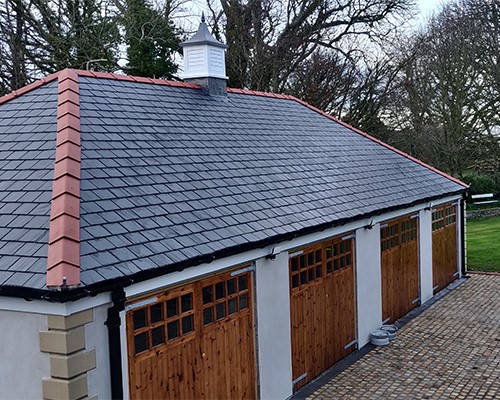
(444, 246)
(399, 267)
(196, 360)
(321, 319)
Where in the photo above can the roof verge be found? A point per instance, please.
(63, 259)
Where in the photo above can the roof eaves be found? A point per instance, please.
(63, 258)
(74, 293)
(25, 89)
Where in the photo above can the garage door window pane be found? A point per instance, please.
(220, 311)
(329, 267)
(187, 302)
(231, 306)
(219, 290)
(310, 259)
(156, 313)
(208, 315)
(172, 308)
(243, 302)
(158, 335)
(173, 330)
(207, 295)
(187, 324)
(242, 282)
(328, 252)
(141, 342)
(231, 286)
(140, 318)
(310, 273)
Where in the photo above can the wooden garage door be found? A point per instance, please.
(194, 342)
(444, 246)
(400, 269)
(322, 307)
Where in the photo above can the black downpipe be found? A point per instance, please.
(462, 233)
(115, 358)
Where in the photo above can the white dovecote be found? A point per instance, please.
(204, 61)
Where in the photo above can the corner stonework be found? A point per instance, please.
(69, 360)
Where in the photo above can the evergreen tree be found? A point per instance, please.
(151, 39)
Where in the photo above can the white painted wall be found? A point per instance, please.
(273, 327)
(96, 337)
(22, 365)
(425, 248)
(460, 216)
(368, 282)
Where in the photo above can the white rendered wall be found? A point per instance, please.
(425, 248)
(96, 337)
(368, 282)
(22, 364)
(273, 327)
(460, 249)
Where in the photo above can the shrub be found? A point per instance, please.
(480, 184)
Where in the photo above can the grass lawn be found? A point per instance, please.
(483, 244)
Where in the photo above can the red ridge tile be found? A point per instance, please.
(63, 250)
(63, 271)
(66, 184)
(68, 150)
(67, 166)
(65, 204)
(68, 121)
(68, 134)
(64, 226)
(63, 259)
(69, 96)
(68, 108)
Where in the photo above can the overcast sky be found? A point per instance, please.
(427, 6)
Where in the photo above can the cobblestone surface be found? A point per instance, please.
(451, 351)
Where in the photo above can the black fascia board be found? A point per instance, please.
(71, 294)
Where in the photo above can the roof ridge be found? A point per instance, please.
(63, 258)
(131, 78)
(374, 139)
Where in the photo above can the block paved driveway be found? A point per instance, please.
(450, 351)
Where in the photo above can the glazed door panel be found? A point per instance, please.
(322, 307)
(444, 246)
(196, 341)
(400, 267)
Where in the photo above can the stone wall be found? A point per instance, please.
(491, 212)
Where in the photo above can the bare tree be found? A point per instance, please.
(448, 93)
(269, 39)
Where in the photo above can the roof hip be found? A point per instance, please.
(63, 259)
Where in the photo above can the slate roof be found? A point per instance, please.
(169, 174)
(27, 151)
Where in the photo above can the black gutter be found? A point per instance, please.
(115, 355)
(73, 294)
